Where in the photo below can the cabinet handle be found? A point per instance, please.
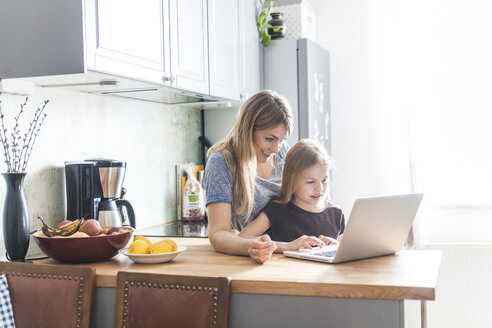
(243, 96)
(170, 79)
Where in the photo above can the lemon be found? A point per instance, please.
(139, 246)
(158, 248)
(142, 238)
(171, 242)
(163, 246)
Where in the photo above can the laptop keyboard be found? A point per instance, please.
(326, 253)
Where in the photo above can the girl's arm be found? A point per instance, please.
(257, 227)
(330, 241)
(301, 242)
(223, 240)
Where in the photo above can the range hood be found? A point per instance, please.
(105, 84)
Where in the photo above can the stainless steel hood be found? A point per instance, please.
(104, 84)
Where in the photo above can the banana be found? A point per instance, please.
(64, 231)
(69, 229)
(47, 230)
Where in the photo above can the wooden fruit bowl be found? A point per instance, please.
(83, 249)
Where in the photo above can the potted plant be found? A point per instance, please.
(262, 23)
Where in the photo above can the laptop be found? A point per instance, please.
(377, 226)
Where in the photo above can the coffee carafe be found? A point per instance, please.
(95, 191)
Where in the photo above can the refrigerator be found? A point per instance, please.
(300, 71)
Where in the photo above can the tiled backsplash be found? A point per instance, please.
(150, 137)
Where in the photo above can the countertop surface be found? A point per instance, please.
(409, 274)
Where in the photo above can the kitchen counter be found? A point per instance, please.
(406, 275)
(286, 292)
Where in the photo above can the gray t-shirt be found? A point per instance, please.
(218, 182)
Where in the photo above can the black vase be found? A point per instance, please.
(15, 218)
(277, 21)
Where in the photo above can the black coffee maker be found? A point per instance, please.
(95, 191)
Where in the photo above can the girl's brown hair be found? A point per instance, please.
(303, 155)
(262, 111)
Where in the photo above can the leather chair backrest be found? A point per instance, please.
(51, 296)
(159, 300)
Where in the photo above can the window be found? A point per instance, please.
(446, 51)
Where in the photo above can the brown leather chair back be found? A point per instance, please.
(45, 295)
(158, 300)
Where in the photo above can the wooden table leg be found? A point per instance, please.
(423, 317)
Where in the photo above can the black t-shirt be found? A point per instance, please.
(289, 222)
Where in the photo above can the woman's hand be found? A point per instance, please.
(328, 240)
(261, 248)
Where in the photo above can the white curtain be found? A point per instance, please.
(446, 89)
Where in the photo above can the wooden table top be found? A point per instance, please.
(410, 274)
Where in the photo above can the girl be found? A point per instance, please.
(244, 172)
(302, 211)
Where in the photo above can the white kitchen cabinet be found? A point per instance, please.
(128, 38)
(197, 48)
(162, 41)
(250, 50)
(189, 45)
(223, 34)
(235, 54)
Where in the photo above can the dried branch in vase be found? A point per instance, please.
(17, 149)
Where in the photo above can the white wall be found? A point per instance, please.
(150, 137)
(392, 56)
(369, 131)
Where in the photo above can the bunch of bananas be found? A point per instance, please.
(65, 230)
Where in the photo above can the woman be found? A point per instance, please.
(244, 172)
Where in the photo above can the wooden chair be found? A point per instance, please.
(158, 300)
(50, 295)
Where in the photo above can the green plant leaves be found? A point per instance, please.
(262, 18)
(261, 22)
(265, 40)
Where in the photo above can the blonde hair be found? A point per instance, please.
(303, 155)
(262, 111)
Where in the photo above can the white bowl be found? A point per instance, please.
(153, 258)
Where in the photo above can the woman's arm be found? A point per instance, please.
(223, 240)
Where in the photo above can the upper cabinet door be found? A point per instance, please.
(223, 29)
(127, 38)
(250, 50)
(189, 45)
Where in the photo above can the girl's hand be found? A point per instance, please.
(304, 242)
(261, 248)
(328, 240)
